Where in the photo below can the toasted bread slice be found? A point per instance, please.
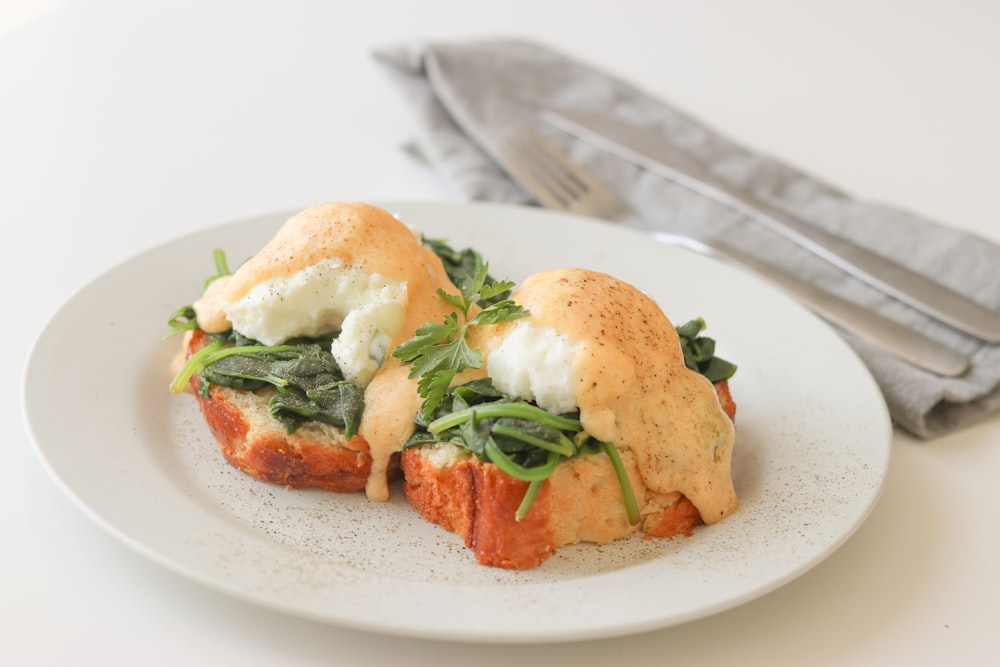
(580, 502)
(252, 440)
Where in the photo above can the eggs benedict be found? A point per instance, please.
(352, 281)
(644, 442)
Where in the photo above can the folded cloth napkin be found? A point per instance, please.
(469, 96)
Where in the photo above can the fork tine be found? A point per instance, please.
(562, 168)
(547, 174)
(551, 170)
(554, 180)
(517, 154)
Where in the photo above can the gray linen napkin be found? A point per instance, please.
(468, 96)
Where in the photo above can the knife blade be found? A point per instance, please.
(654, 153)
(901, 341)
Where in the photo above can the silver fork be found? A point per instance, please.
(556, 182)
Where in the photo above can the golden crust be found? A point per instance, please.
(477, 501)
(252, 441)
(580, 502)
(726, 399)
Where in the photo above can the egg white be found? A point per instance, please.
(368, 310)
(536, 363)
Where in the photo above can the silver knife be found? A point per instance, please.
(654, 153)
(902, 341)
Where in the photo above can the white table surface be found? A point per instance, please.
(124, 125)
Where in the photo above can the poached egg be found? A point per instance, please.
(598, 344)
(350, 268)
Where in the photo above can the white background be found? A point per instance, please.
(126, 124)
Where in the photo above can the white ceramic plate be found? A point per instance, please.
(811, 453)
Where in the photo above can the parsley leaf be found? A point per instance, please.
(459, 264)
(440, 351)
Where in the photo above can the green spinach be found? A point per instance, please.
(699, 352)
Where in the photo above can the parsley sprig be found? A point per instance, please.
(440, 350)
